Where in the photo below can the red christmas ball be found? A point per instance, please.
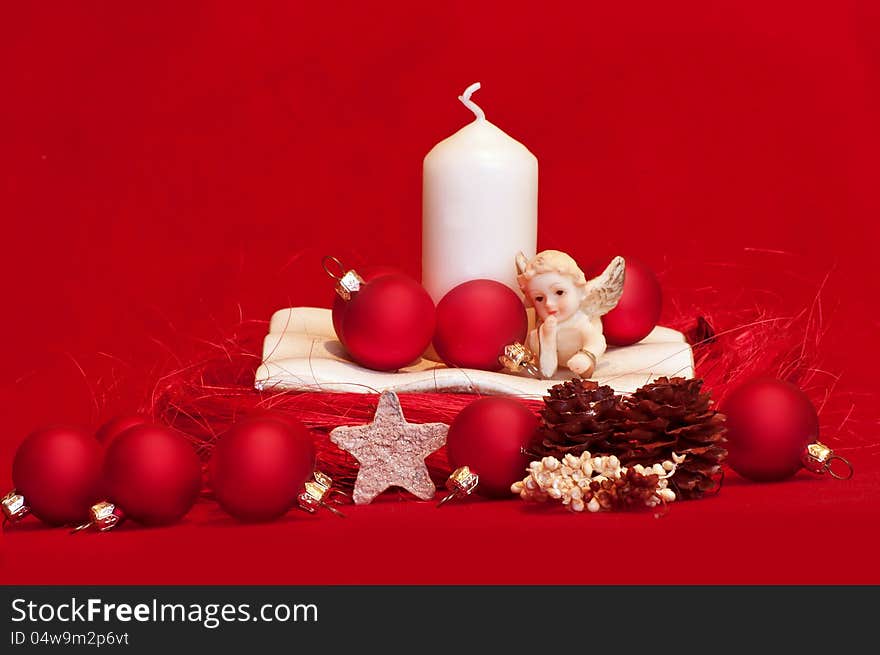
(116, 426)
(58, 471)
(153, 474)
(489, 436)
(388, 323)
(259, 467)
(638, 310)
(769, 425)
(475, 321)
(368, 273)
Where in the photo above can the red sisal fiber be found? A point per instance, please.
(205, 397)
(732, 346)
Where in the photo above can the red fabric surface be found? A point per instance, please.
(168, 169)
(806, 531)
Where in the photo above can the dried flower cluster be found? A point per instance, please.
(598, 483)
(665, 417)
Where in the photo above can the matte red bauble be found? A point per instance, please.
(153, 474)
(388, 323)
(368, 273)
(259, 467)
(475, 321)
(638, 310)
(489, 437)
(769, 425)
(116, 426)
(58, 471)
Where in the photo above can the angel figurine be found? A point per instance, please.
(568, 308)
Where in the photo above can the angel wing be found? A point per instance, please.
(604, 290)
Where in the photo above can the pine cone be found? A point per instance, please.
(666, 416)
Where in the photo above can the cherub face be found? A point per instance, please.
(553, 294)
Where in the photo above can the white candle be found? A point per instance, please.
(479, 206)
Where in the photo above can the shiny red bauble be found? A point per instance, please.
(638, 310)
(490, 436)
(259, 467)
(769, 425)
(58, 471)
(475, 321)
(153, 474)
(388, 323)
(119, 424)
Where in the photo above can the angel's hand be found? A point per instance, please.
(581, 364)
(549, 327)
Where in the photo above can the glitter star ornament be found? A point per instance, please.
(391, 451)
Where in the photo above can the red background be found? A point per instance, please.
(171, 167)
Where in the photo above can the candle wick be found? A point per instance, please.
(470, 104)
